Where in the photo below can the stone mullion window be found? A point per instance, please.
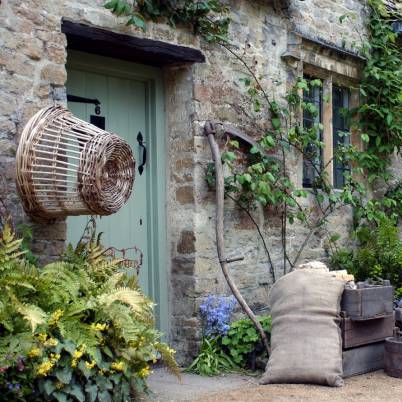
(331, 103)
(340, 102)
(312, 161)
(338, 69)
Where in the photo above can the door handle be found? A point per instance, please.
(141, 143)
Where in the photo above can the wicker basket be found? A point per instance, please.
(66, 166)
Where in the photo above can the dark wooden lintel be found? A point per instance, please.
(130, 48)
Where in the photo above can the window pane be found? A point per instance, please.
(312, 160)
(340, 103)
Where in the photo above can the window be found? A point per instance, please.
(340, 103)
(331, 114)
(312, 161)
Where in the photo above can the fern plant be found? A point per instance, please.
(81, 325)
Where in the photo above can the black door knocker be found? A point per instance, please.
(141, 143)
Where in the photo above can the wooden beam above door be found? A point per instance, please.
(125, 47)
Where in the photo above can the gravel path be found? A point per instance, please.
(369, 387)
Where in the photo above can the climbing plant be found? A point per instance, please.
(206, 18)
(380, 114)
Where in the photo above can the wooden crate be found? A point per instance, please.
(357, 333)
(363, 359)
(367, 302)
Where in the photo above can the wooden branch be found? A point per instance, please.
(220, 243)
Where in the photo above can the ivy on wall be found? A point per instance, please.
(379, 116)
(205, 18)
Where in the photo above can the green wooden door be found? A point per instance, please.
(131, 103)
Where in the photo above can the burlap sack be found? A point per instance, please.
(305, 339)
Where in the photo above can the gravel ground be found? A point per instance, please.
(369, 387)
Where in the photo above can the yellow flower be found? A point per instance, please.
(55, 317)
(42, 337)
(51, 342)
(59, 385)
(118, 366)
(78, 353)
(90, 365)
(170, 350)
(54, 357)
(99, 327)
(144, 372)
(34, 352)
(45, 367)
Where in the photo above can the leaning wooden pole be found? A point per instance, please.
(220, 243)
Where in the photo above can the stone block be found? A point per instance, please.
(50, 231)
(183, 266)
(187, 242)
(185, 195)
(54, 74)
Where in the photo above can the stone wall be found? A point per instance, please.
(32, 75)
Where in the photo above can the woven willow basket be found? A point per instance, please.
(66, 166)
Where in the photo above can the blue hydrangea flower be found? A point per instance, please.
(216, 312)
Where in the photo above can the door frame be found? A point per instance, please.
(156, 187)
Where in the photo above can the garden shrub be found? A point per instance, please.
(242, 339)
(226, 346)
(212, 360)
(378, 255)
(78, 329)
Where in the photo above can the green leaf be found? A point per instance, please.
(234, 143)
(276, 123)
(104, 396)
(64, 375)
(76, 391)
(302, 84)
(228, 156)
(49, 386)
(111, 4)
(138, 20)
(60, 396)
(91, 390)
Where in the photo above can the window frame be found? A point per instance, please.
(329, 80)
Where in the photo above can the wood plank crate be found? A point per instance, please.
(368, 301)
(363, 359)
(357, 333)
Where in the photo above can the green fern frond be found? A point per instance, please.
(33, 314)
(123, 321)
(112, 283)
(130, 297)
(64, 281)
(9, 246)
(79, 333)
(168, 359)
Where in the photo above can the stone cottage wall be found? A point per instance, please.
(32, 75)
